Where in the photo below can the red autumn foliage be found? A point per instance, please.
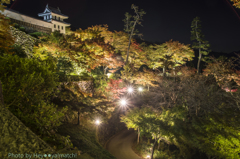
(115, 88)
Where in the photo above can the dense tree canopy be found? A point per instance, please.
(169, 55)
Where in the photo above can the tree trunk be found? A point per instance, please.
(200, 54)
(153, 148)
(164, 71)
(105, 70)
(199, 60)
(1, 94)
(97, 133)
(174, 73)
(159, 144)
(78, 117)
(129, 43)
(148, 87)
(138, 136)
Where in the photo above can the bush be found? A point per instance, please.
(22, 29)
(37, 34)
(27, 86)
(18, 50)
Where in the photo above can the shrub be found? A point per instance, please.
(27, 86)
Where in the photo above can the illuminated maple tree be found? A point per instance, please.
(169, 55)
(115, 88)
(224, 72)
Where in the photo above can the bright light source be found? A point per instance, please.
(97, 122)
(123, 102)
(140, 89)
(108, 74)
(148, 156)
(130, 90)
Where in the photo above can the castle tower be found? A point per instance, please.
(55, 17)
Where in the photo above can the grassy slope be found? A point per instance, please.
(85, 141)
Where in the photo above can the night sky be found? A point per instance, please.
(164, 19)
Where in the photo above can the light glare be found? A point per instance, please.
(108, 74)
(130, 89)
(140, 89)
(123, 102)
(97, 122)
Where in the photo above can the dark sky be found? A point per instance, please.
(164, 19)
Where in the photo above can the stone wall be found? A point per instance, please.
(24, 40)
(32, 27)
(85, 86)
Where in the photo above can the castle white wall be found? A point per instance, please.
(27, 19)
(53, 24)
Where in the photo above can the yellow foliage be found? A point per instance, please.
(236, 3)
(6, 39)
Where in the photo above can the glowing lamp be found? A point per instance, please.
(123, 102)
(108, 74)
(140, 89)
(130, 89)
(97, 122)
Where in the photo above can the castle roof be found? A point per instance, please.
(55, 10)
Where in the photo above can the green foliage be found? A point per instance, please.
(85, 140)
(100, 80)
(27, 86)
(18, 50)
(22, 29)
(38, 34)
(169, 55)
(200, 43)
(194, 114)
(29, 80)
(64, 66)
(130, 25)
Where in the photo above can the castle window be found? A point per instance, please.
(54, 25)
(62, 27)
(58, 27)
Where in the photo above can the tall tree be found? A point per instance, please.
(200, 44)
(147, 121)
(169, 54)
(130, 25)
